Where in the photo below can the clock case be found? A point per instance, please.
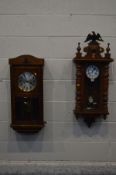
(26, 107)
(93, 55)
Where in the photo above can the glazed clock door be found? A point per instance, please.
(27, 88)
(92, 83)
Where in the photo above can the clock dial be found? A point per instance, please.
(27, 81)
(92, 72)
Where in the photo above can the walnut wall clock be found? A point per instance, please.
(92, 71)
(26, 75)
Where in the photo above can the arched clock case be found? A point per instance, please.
(26, 76)
(92, 74)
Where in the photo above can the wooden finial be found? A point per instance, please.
(108, 50)
(78, 54)
(79, 48)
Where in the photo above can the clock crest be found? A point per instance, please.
(92, 72)
(26, 75)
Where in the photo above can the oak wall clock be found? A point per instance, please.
(26, 75)
(92, 72)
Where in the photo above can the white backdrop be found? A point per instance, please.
(51, 29)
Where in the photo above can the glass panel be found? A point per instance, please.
(27, 108)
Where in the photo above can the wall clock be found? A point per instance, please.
(92, 71)
(26, 76)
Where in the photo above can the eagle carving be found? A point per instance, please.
(93, 37)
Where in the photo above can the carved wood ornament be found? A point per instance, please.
(92, 72)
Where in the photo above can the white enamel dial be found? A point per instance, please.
(27, 81)
(92, 72)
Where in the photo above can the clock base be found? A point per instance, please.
(30, 128)
(90, 118)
